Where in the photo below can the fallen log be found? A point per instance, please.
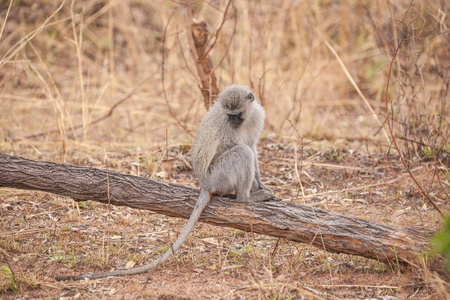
(327, 230)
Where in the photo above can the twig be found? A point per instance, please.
(14, 76)
(217, 32)
(190, 39)
(298, 175)
(228, 45)
(188, 67)
(257, 282)
(6, 18)
(440, 183)
(163, 55)
(24, 41)
(167, 154)
(394, 140)
(78, 43)
(357, 88)
(391, 170)
(107, 115)
(212, 5)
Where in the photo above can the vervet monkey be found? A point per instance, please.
(224, 159)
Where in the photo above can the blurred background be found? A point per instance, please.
(113, 83)
(319, 68)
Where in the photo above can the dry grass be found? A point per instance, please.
(65, 65)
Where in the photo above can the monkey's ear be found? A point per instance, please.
(250, 97)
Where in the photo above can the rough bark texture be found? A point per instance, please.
(334, 232)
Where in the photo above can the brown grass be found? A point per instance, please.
(65, 65)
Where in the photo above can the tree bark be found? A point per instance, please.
(330, 231)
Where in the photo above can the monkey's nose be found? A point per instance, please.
(236, 120)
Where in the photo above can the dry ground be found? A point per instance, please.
(44, 235)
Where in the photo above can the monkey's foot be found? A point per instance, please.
(262, 195)
(231, 196)
(263, 187)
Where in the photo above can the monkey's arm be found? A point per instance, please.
(202, 202)
(204, 158)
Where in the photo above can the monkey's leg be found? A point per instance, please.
(262, 195)
(235, 170)
(232, 171)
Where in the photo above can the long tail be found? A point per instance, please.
(198, 209)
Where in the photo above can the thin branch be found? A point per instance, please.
(24, 41)
(14, 76)
(394, 140)
(107, 115)
(217, 32)
(184, 57)
(163, 55)
(191, 43)
(229, 43)
(213, 6)
(357, 88)
(6, 18)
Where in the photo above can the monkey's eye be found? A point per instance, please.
(235, 115)
(250, 97)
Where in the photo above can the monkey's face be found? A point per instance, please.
(235, 119)
(237, 109)
(236, 102)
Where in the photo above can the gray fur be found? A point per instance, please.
(224, 159)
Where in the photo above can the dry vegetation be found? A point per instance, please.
(320, 69)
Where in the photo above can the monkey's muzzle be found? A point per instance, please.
(235, 119)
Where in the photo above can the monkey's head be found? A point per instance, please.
(236, 101)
